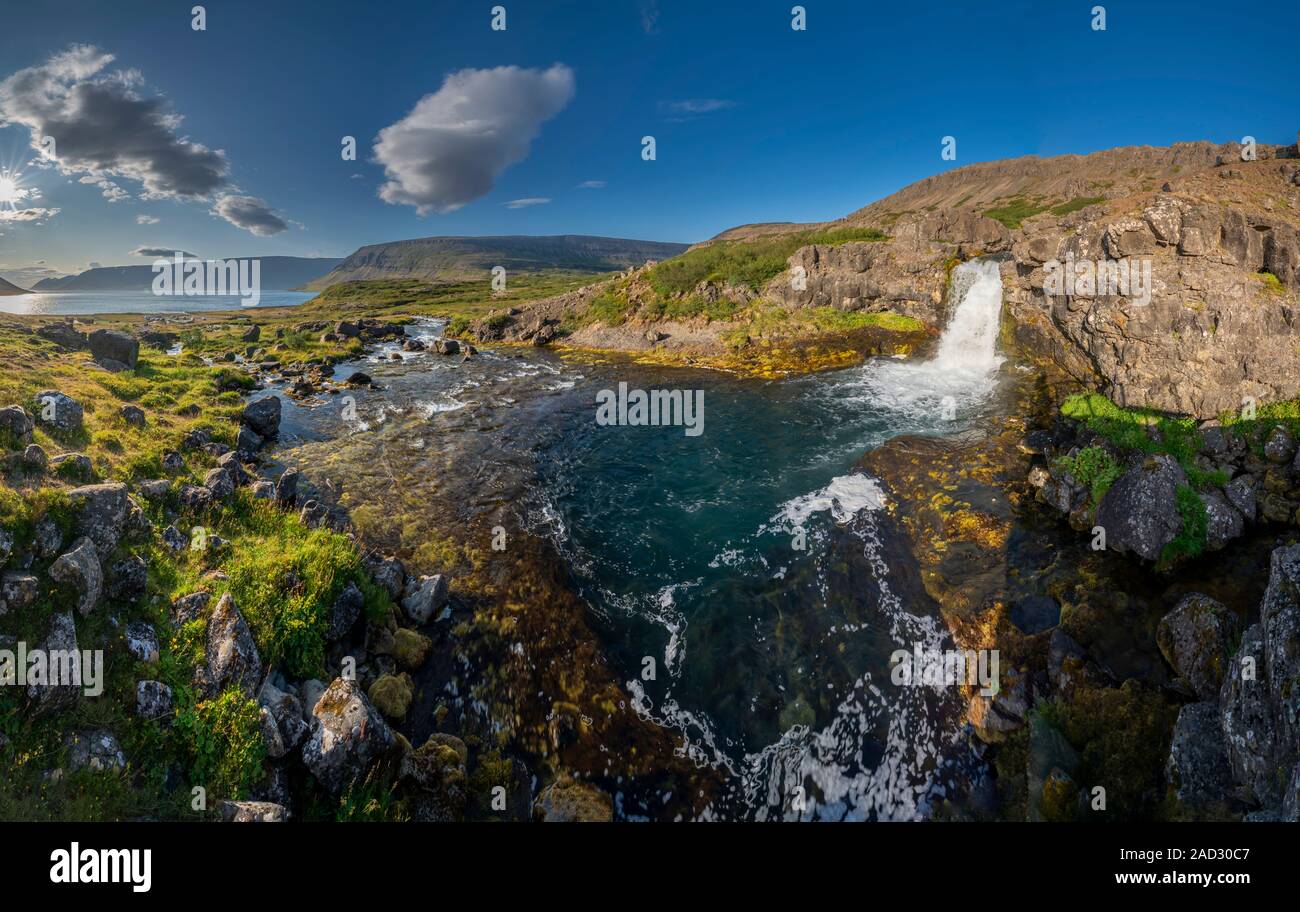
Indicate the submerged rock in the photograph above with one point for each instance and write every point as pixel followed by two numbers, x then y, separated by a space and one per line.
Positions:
pixel 424 597
pixel 570 801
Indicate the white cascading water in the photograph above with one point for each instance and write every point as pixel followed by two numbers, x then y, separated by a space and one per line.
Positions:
pixel 962 369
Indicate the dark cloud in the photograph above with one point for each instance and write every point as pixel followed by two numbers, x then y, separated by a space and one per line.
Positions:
pixel 105 130
pixel 154 253
pixel 251 214
pixel 455 142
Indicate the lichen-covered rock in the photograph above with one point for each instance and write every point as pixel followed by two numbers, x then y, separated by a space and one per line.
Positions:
pixel 1279 615
pixel 282 720
pixel 1249 730
pixel 1280 447
pixel 389 575
pixel 58 410
pixel 1140 511
pixel 231 656
pixel 253 812
pixel 997 715
pixel 95 750
pixel 35 459
pixel 80 569
pixel 18 591
pixel 345 611
pixel 133 416
pixel 1241 494
pixel 1197 768
pixel 101 513
pixel 570 801
pixel 1195 638
pixel 61 639
pixel 348 735
pixel 128 579
pixel 142 641
pixel 1223 521
pixel 424 597
pixel 153 700
pixel 219 482
pixel 392 694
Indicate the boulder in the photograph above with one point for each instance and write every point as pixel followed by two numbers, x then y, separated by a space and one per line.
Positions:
pixel 17 424
pixel 142 641
pixel 410 648
pixel 996 716
pixel 133 415
pixel 263 416
pixel 286 489
pixel 101 513
pixel 248 442
pixel 252 811
pixel 18 591
pixel 111 345
pixel 34 458
pixel 128 579
pixel 389 575
pixel 1197 768
pixel 283 725
pixel 1240 492
pixel 73 467
pixel 231 656
pixel 153 700
pixel 348 735
pixel 1280 447
pixel 1246 717
pixel 1223 521
pixel 63 335
pixel 1140 511
pixel 189 607
pixel 6 545
pixel 1195 638
pixel 392 695
pixel 1279 616
pixel 570 801
pixel 345 611
pixel 62 640
pixel 58 410
pixel 95 750
pixel 434 774
pixel 425 597
pixel 219 482
pixel 79 568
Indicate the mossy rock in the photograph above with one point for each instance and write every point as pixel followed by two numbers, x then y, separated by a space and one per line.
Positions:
pixel 410 648
pixel 392 695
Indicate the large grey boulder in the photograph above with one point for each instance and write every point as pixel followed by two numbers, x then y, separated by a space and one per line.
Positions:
pixel 1195 638
pixel 1246 716
pixel 79 568
pixel 263 416
pixel 101 514
pixel 231 656
pixel 1241 494
pixel 58 410
pixel 1140 511
pixel 1197 768
pixel 348 735
pixel 1223 522
pixel 111 345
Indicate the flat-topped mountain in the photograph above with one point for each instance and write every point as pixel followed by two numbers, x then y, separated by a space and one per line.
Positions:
pixel 278 273
pixel 453 258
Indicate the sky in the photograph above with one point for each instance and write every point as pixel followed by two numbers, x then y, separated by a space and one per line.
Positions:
pixel 227 141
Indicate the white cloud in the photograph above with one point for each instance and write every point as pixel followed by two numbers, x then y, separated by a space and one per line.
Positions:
pixel 456 141
pixel 591 185
pixel 688 108
pixel 147 220
pixel 527 201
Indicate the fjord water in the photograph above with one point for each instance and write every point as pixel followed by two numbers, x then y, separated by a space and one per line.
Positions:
pixel 770 661
pixel 106 302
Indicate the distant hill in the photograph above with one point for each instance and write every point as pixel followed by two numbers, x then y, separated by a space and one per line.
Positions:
pixel 9 288
pixel 454 258
pixel 278 273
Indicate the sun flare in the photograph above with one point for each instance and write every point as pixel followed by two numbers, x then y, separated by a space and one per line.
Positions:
pixel 9 192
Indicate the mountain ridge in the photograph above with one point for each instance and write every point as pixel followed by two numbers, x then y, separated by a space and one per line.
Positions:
pixel 278 273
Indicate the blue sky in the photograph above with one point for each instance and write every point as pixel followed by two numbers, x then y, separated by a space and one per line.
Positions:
pixel 753 121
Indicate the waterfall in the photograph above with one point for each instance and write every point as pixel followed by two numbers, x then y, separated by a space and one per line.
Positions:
pixel 969 342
